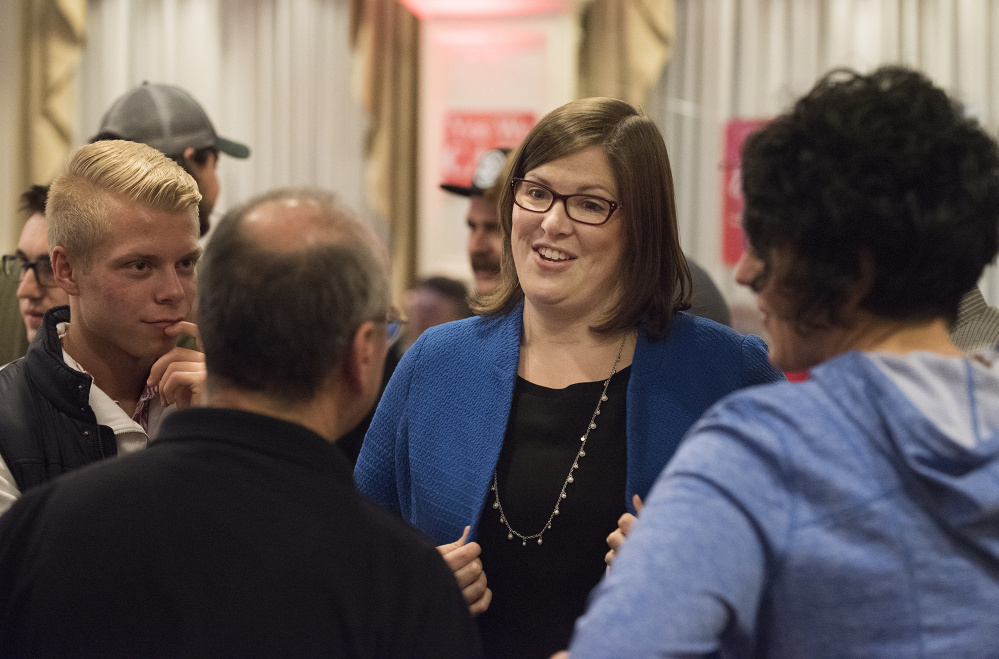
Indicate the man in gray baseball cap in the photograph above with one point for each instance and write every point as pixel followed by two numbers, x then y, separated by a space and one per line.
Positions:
pixel 168 118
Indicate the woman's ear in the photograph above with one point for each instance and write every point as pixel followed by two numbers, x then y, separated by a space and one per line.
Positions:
pixel 64 272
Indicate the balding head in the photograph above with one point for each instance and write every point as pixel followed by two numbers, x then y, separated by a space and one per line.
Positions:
pixel 287 280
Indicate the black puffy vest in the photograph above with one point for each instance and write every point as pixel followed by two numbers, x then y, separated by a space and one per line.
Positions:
pixel 46 425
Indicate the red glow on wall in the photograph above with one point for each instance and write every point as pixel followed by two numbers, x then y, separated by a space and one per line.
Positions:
pixel 467 135
pixel 424 9
pixel 732 237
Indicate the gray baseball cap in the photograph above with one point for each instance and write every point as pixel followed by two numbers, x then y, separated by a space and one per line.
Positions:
pixel 166 118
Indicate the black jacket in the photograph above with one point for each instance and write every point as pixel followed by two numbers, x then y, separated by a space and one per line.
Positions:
pixel 46 425
pixel 232 535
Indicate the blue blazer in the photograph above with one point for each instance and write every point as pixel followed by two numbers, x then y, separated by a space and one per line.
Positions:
pixel 436 435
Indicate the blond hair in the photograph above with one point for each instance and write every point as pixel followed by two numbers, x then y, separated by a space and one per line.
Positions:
pixel 100 176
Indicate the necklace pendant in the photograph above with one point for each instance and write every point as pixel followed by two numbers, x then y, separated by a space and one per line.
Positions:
pixel 524 544
pixel 539 541
pixel 502 519
pixel 495 505
pixel 556 512
pixel 569 479
pixel 582 453
pixel 593 426
pixel 562 495
pixel 603 398
pixel 509 536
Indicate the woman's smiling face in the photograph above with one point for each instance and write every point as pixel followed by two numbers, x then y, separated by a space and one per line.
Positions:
pixel 566 266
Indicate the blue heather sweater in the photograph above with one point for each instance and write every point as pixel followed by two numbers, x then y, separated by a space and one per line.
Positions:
pixel 436 435
pixel 854 515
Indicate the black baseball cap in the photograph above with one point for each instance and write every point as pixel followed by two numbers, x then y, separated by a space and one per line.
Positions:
pixel 166 118
pixel 486 172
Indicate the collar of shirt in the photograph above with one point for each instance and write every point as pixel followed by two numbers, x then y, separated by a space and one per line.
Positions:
pixel 148 409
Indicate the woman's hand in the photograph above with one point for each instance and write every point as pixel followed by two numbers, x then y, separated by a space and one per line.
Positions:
pixel 616 539
pixel 463 559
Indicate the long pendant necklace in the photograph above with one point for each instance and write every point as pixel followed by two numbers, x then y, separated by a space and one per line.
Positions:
pixel 575 465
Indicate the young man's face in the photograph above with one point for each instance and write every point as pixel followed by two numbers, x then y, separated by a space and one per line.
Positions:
pixel 140 281
pixel 36 293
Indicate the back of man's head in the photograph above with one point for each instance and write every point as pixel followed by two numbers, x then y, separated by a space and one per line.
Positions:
pixel 103 174
pixel 286 281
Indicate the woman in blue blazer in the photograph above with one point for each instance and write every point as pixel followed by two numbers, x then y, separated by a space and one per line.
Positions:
pixel 536 422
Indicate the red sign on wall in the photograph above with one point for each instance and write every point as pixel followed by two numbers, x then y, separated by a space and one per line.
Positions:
pixel 467 135
pixel 733 239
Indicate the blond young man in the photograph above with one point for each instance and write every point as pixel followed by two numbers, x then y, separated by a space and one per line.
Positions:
pixel 123 234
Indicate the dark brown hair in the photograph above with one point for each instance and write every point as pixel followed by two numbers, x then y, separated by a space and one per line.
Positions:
pixel 882 167
pixel 656 280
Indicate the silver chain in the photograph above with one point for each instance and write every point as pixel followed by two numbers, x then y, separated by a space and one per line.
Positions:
pixel 575 465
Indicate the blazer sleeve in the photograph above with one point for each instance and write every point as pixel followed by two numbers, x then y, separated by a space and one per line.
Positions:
pixel 381 472
pixel 756 366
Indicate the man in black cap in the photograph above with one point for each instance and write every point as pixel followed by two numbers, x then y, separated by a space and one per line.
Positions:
pixel 168 118
pixel 485 237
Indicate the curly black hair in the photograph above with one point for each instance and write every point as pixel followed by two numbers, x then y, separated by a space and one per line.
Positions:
pixel 883 169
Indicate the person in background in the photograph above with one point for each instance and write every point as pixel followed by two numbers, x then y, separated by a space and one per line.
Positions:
pixel 168 119
pixel 529 428
pixel 433 301
pixel 101 373
pixel 239 531
pixel 855 514
pixel 485 236
pixel 976 326
pixel 31 268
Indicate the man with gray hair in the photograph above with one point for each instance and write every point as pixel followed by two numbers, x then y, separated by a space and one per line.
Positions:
pixel 100 373
pixel 239 530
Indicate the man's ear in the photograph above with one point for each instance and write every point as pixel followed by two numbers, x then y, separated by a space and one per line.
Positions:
pixel 189 154
pixel 363 357
pixel 64 271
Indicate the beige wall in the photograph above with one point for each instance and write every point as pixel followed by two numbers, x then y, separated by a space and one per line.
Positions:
pixel 10 92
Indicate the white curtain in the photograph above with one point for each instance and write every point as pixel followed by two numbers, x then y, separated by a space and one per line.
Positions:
pixel 752 58
pixel 274 74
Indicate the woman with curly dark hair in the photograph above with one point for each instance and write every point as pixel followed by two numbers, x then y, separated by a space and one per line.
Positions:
pixel 856 514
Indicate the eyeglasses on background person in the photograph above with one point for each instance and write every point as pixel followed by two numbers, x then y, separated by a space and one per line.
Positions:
pixel 394 325
pixel 583 208
pixel 16 266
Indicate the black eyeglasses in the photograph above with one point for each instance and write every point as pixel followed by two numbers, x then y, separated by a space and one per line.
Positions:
pixel 583 208
pixel 16 266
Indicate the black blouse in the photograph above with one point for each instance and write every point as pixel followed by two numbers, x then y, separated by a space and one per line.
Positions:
pixel 540 590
